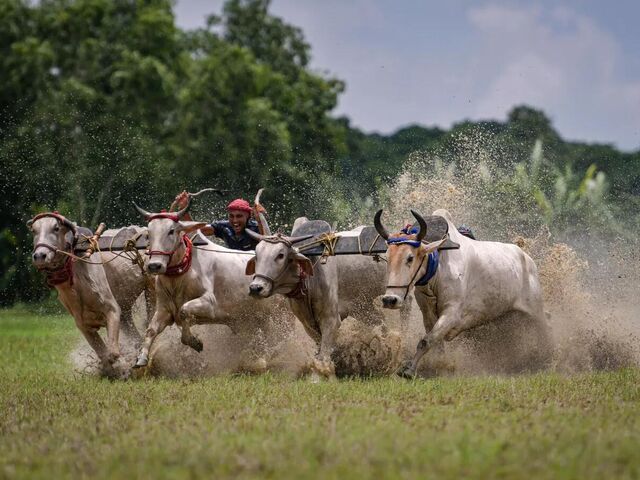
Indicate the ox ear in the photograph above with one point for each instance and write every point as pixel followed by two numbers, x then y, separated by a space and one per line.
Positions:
pixel 305 264
pixel 430 247
pixel 251 266
pixel 188 227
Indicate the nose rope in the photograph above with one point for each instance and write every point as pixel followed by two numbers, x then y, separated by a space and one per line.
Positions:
pixel 185 263
pixel 408 286
pixel 298 291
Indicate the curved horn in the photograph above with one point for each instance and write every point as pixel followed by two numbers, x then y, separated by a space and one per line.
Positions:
pixel 379 227
pixel 142 212
pixel 298 239
pixel 69 224
pixel 258 195
pixel 29 223
pixel 423 225
pixel 180 213
pixel 255 235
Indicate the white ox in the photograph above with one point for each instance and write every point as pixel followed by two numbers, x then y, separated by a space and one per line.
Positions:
pixel 196 285
pixel 320 294
pixel 474 285
pixel 96 295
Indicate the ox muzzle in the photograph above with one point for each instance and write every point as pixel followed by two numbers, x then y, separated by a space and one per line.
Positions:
pixel 392 301
pixel 260 287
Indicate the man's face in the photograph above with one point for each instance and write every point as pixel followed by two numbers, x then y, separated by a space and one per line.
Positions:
pixel 238 220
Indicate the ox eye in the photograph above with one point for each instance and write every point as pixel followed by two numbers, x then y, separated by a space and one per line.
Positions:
pixel 410 259
pixel 172 231
pixel 280 256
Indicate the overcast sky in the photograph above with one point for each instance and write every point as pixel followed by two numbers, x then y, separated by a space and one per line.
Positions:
pixel 439 62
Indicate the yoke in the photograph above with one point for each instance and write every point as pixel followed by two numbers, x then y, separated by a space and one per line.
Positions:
pixel 364 240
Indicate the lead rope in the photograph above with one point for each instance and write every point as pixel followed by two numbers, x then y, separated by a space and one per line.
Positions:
pixel 408 286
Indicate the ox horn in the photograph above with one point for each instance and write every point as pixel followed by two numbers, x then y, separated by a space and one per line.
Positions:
pixel 69 224
pixel 379 227
pixel 180 213
pixel 423 225
pixel 255 235
pixel 142 212
pixel 298 239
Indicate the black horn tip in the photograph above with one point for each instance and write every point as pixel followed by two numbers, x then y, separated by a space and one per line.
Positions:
pixel 423 225
pixel 377 222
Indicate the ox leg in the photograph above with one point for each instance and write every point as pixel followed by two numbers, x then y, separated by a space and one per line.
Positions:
pixel 113 334
pixel 195 311
pixel 445 328
pixel 128 326
pixel 95 342
pixel 161 320
pixel 329 332
pixel 149 300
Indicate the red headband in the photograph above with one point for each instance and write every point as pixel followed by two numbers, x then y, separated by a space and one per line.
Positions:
pixel 239 204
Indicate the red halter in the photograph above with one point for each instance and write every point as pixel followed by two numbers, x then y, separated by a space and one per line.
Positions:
pixel 61 275
pixel 185 264
pixel 300 290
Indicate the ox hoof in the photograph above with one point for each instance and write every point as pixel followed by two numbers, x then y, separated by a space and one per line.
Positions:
pixel 406 372
pixel 142 361
pixel 195 343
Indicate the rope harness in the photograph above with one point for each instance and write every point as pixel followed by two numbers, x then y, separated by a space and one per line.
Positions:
pixel 433 260
pixel 61 275
pixel 301 289
pixel 185 264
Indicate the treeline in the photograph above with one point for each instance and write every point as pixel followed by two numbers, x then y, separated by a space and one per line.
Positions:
pixel 108 101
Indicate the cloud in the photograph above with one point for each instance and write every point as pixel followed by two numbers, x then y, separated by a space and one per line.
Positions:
pixel 561 61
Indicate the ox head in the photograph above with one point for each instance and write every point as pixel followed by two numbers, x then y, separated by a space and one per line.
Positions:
pixel 277 264
pixel 406 259
pixel 51 232
pixel 166 232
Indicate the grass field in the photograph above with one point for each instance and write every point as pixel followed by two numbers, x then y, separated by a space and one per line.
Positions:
pixel 56 423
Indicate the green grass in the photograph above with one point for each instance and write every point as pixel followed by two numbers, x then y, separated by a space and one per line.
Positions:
pixel 56 424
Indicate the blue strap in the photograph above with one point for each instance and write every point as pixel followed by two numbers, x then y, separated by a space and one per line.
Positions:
pixel 432 267
pixel 408 230
pixel 403 240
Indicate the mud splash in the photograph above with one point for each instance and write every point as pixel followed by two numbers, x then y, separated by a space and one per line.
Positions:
pixel 590 290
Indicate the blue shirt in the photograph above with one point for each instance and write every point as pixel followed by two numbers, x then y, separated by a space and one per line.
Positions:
pixel 223 229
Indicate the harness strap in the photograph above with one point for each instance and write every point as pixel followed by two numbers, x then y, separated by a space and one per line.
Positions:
pixel 300 290
pixel 408 286
pixel 163 214
pixel 432 267
pixel 185 264
pixel 61 275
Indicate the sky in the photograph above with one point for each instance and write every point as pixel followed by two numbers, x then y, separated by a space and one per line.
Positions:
pixel 437 63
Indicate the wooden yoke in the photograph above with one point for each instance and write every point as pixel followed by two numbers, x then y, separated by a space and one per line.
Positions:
pixel 93 240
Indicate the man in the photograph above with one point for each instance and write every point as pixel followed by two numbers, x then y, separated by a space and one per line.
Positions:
pixel 232 231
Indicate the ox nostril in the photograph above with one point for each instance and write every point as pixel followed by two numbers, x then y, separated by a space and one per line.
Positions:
pixel 39 256
pixel 254 289
pixel 153 267
pixel 389 301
